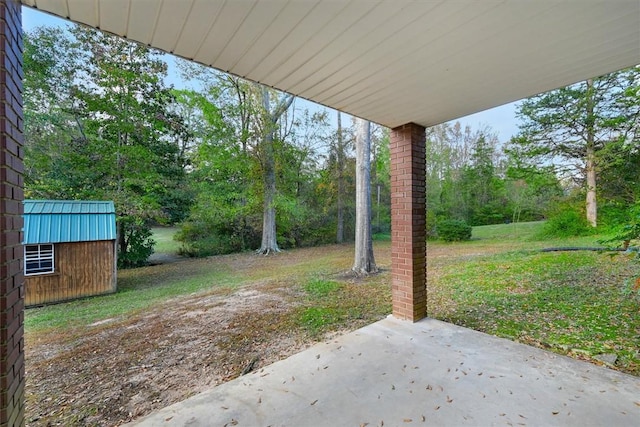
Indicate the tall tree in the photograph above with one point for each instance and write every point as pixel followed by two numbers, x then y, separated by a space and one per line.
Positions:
pixel 220 170
pixel 482 189
pixel 569 128
pixel 381 178
pixel 53 124
pixel 531 191
pixel 274 152
pixel 113 127
pixel 590 154
pixel 128 115
pixel 464 168
pixel 364 262
pixel 270 117
pixel 340 152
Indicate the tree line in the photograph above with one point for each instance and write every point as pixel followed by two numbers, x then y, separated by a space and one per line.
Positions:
pixel 219 157
pixel 239 166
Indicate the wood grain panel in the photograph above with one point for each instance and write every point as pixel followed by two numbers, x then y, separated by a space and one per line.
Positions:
pixel 82 269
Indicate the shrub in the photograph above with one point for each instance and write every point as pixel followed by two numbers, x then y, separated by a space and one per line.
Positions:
pixel 627 230
pixel 453 230
pixel 567 221
pixel 135 243
pixel 201 238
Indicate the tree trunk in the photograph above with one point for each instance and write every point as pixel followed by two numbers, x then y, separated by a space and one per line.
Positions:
pixel 592 206
pixel 269 240
pixel 340 195
pixel 269 236
pixel 364 262
pixel 590 163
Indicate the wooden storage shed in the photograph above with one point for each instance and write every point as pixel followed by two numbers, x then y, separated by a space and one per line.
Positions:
pixel 69 250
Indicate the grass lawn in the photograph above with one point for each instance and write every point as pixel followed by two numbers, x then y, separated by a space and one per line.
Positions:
pixel 577 303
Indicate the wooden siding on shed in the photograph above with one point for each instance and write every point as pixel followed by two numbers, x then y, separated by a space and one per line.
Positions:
pixel 81 269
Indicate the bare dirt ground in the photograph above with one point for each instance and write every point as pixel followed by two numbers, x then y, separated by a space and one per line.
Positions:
pixel 117 370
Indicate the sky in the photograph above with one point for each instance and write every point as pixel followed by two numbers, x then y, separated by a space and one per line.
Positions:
pixel 500 119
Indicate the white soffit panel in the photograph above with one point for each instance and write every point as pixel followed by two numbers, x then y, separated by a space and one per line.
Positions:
pixel 145 15
pixel 85 10
pixel 203 15
pixel 113 15
pixel 390 61
pixel 265 47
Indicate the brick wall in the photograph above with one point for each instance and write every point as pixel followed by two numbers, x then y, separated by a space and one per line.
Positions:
pixel 408 222
pixel 11 196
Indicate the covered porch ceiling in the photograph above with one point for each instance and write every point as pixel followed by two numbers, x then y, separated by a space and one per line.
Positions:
pixel 390 61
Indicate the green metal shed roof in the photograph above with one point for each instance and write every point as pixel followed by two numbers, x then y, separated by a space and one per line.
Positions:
pixel 57 221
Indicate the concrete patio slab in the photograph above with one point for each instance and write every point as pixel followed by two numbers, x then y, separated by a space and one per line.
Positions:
pixel 397 373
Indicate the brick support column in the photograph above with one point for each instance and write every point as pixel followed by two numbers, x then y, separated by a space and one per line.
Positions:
pixel 408 222
pixel 11 196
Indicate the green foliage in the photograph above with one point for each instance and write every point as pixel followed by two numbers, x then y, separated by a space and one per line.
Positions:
pixel 465 176
pixel 567 221
pixel 226 213
pixel 136 243
pixel 532 190
pixel 99 125
pixel 613 214
pixel 380 181
pixel 381 237
pixel 584 127
pixel 619 169
pixel 229 165
pixel 215 235
pixel 483 191
pixel 627 231
pixel 300 224
pixel 454 230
